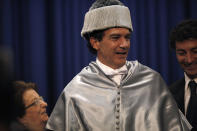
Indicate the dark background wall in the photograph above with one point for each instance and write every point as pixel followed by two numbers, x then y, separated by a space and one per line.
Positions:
pixel 44 36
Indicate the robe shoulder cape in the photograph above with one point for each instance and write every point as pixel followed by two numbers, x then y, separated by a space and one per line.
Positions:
pixel 93 102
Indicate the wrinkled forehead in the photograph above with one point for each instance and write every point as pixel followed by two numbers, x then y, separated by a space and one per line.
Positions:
pixel 30 95
pixel 118 31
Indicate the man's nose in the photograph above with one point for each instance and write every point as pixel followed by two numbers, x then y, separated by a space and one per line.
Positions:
pixel 189 58
pixel 124 43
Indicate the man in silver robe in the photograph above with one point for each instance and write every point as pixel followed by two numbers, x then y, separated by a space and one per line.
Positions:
pixel 113 94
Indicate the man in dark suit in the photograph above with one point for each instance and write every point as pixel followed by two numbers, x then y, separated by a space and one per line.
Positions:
pixel 183 39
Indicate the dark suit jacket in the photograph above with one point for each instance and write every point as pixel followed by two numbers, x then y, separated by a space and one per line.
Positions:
pixel 177 89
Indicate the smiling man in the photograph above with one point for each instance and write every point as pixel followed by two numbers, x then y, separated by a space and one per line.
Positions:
pixel 112 51
pixel 183 39
pixel 111 93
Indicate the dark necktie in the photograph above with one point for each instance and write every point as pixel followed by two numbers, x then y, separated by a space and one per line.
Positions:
pixel 192 107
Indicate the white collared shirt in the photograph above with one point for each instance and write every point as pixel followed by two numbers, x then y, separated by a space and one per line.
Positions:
pixel 187 91
pixel 113 73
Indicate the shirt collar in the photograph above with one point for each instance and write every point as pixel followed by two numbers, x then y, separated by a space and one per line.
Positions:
pixel 109 71
pixel 187 79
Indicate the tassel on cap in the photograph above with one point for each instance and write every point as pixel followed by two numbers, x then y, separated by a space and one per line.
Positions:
pixel 102 3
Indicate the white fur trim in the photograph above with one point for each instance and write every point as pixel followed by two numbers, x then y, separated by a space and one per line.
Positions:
pixel 107 17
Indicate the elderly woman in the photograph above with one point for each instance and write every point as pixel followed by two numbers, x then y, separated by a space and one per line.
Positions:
pixel 29 109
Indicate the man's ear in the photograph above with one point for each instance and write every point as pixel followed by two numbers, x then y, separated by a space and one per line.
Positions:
pixel 94 42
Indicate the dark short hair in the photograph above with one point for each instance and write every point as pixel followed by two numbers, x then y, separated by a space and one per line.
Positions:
pixel 18 89
pixel 186 30
pixel 98 35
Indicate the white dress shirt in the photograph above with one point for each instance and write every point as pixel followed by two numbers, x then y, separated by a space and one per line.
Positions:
pixel 187 91
pixel 115 74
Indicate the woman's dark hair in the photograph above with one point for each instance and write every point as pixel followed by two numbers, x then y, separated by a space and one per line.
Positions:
pixel 186 30
pixel 18 89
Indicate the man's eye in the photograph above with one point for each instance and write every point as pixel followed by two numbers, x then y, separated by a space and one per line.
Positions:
pixel 195 51
pixel 128 37
pixel 180 53
pixel 115 37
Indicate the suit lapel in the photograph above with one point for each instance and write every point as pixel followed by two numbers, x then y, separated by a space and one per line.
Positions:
pixel 177 90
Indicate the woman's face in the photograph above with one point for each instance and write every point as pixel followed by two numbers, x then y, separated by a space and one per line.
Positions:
pixel 35 117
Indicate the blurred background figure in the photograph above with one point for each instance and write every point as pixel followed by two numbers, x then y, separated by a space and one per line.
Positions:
pixel 29 108
pixel 5 79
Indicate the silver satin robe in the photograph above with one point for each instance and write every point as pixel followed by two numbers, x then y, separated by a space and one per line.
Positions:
pixel 93 102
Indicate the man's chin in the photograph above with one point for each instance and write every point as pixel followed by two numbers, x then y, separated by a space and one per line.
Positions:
pixel 121 64
pixel 191 75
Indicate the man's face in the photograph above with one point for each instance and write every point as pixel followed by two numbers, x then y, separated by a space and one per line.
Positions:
pixel 113 49
pixel 186 53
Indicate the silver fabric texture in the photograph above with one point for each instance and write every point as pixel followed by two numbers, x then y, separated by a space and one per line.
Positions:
pixel 93 102
pixel 107 17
